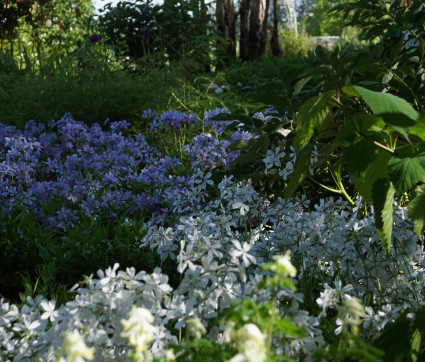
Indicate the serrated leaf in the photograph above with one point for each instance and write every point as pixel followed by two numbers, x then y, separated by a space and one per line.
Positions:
pixel 405 172
pixel 310 113
pixel 392 109
pixel 416 209
pixel 383 193
pixel 377 169
pixel 300 172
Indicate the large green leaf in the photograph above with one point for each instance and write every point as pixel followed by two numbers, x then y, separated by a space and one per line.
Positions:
pixel 419 128
pixel 417 210
pixel 369 124
pixel 406 172
pixel 377 169
pixel 383 193
pixel 300 172
pixel 407 167
pixel 358 156
pixel 393 110
pixel 312 112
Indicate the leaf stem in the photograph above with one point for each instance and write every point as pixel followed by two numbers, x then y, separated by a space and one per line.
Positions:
pixel 331 189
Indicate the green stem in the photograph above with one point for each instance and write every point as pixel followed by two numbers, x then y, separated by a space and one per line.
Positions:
pixel 271 323
pixel 345 194
pixel 324 186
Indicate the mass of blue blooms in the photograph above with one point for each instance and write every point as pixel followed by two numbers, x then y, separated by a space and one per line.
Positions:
pixel 103 171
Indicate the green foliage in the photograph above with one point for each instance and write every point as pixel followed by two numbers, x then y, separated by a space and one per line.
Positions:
pixel 10 13
pixel 51 27
pixel 320 21
pixel 145 33
pixel 294 44
pixel 360 144
pixel 50 263
pixel 402 339
pixel 389 19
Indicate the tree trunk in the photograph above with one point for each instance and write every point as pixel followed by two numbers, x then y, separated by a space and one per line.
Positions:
pixel 274 41
pixel 226 20
pixel 265 27
pixel 244 28
pixel 256 30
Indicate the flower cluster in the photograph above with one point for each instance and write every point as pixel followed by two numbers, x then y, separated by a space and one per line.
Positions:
pixel 95 38
pixel 217 244
pixel 171 119
pixel 218 247
pixel 91 171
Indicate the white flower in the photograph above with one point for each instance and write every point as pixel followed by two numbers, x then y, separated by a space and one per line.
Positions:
pixel 243 208
pixel 138 328
pixel 284 261
pixel 273 159
pixel 169 355
pixel 195 327
pixel 242 251
pixel 354 308
pixel 250 342
pixel 49 310
pixel 74 348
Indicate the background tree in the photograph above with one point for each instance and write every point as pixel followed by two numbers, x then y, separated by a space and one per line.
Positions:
pixel 43 27
pixel 320 22
pixel 10 13
pixel 274 41
pixel 226 24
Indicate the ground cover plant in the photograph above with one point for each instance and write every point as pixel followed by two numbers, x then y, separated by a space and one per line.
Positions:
pixel 286 226
pixel 228 243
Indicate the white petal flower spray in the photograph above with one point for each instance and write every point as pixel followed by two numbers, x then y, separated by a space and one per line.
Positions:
pixel 74 349
pixel 139 330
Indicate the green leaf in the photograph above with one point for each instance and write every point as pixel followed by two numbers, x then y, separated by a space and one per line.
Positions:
pixel 289 328
pixel 377 169
pixel 394 340
pixel 264 142
pixel 298 87
pixel 393 110
pixel 246 157
pixel 367 123
pixel 416 344
pixel 312 112
pixel 323 54
pixel 300 172
pixel 383 199
pixel 416 209
pixel 358 156
pixel 406 172
pixel 419 128
pixel 238 145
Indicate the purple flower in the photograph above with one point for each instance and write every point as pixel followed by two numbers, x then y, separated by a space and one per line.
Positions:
pixel 95 38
